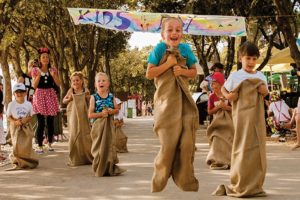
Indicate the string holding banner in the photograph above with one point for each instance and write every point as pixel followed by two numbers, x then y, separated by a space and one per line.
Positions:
pixel 209 25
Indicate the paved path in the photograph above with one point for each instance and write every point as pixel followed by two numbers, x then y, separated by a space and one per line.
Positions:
pixel 54 180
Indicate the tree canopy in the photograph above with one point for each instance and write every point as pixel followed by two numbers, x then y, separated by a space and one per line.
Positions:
pixel 26 25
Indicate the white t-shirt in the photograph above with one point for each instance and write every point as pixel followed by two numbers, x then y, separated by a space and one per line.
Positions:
pixel 119 116
pixel 237 77
pixel 18 111
pixel 280 110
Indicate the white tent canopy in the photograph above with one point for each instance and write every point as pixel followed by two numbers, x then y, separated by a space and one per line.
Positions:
pixel 278 56
pixel 283 67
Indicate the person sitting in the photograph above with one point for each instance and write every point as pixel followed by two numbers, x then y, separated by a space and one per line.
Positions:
pixel 279 115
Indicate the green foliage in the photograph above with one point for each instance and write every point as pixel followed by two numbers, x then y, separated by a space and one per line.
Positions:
pixel 26 25
pixel 128 73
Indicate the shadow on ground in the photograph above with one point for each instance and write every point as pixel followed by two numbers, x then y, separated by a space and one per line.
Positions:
pixel 54 180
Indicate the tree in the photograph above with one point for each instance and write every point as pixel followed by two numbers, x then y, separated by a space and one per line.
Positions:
pixel 7 8
pixel 128 73
pixel 73 48
pixel 288 26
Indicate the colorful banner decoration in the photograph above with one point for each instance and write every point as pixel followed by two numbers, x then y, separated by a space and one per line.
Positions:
pixel 209 25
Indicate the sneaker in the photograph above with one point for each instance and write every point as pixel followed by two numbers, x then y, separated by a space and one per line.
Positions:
pixel 50 149
pixel 39 150
pixel 282 139
pixel 275 135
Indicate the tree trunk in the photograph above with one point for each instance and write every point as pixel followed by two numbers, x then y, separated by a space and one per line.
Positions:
pixel 230 55
pixel 200 55
pixel 284 9
pixel 239 64
pixel 6 76
pixel 285 26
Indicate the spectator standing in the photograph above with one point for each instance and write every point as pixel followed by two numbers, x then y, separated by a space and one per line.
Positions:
pixel 45 101
pixel 26 79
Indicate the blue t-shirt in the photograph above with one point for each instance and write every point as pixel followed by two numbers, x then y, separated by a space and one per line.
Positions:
pixel 160 49
pixel 100 102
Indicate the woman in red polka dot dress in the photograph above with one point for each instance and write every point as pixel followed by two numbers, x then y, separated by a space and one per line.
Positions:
pixel 45 101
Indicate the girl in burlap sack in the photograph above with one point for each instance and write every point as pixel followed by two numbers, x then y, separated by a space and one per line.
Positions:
pixel 121 138
pixel 101 110
pixel 171 63
pixel 19 114
pixel 247 88
pixel 220 131
pixel 80 141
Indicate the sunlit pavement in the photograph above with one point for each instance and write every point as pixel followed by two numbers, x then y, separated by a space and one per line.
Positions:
pixel 54 180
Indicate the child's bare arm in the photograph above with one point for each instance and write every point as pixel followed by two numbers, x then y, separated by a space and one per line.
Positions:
pixel 92 114
pixel 213 110
pixel 263 90
pixel 36 79
pixel 155 71
pixel 16 122
pixel 87 95
pixel 190 73
pixel 115 110
pixel 231 96
pixel 227 107
pixel 25 120
pixel 68 97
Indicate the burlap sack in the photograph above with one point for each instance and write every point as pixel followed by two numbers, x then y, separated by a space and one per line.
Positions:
pixel 121 138
pixel 103 148
pixel 220 136
pixel 175 123
pixel 23 155
pixel 248 160
pixel 80 142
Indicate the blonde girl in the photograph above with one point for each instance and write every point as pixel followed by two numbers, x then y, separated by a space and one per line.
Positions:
pixel 80 141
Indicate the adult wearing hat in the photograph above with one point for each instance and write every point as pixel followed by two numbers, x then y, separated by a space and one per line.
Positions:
pixel 45 101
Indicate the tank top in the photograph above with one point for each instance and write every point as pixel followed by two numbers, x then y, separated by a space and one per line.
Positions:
pixel 101 103
pixel 46 81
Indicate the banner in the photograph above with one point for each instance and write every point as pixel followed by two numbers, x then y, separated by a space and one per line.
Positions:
pixel 209 25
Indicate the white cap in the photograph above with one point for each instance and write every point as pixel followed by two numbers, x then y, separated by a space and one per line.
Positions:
pixel 118 101
pixel 19 86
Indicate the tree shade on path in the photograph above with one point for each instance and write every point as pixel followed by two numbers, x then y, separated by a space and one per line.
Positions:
pixel 54 180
